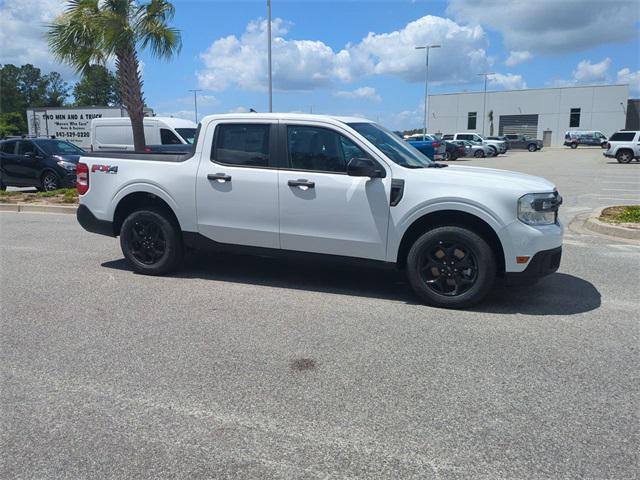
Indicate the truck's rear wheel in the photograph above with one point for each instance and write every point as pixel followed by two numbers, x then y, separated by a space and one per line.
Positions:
pixel 451 267
pixel 624 156
pixel 151 241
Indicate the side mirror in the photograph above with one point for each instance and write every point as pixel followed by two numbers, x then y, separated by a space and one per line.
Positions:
pixel 365 167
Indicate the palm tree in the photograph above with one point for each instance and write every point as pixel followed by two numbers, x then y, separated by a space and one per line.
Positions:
pixel 94 31
pixel 490 115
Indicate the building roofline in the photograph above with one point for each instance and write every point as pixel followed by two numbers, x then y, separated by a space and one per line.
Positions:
pixel 529 89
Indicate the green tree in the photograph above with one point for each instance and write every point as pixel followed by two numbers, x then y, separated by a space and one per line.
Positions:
pixel 97 87
pixel 12 123
pixel 56 90
pixel 92 31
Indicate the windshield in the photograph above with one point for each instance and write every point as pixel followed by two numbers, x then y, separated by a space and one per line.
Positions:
pixel 396 149
pixel 188 134
pixel 60 147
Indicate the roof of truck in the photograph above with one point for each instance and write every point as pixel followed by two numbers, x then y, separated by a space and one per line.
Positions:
pixel 287 116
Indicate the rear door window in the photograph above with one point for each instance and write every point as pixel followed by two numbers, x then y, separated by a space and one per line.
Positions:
pixel 242 144
pixel 8 147
pixel 622 137
pixel 25 147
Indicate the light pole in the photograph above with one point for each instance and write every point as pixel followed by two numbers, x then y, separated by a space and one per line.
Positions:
pixel 269 55
pixel 426 86
pixel 195 101
pixel 484 100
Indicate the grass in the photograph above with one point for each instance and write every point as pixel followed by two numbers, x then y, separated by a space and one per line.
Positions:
pixel 621 214
pixel 61 195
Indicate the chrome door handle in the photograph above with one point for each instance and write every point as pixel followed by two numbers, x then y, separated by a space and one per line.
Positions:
pixel 301 183
pixel 221 177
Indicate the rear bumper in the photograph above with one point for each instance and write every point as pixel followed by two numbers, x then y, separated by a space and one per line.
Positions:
pixel 542 264
pixel 90 223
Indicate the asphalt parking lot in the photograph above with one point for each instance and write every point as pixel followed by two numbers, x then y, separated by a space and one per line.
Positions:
pixel 249 367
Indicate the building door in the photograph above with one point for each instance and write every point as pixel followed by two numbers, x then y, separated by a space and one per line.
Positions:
pixel 526 125
pixel 546 138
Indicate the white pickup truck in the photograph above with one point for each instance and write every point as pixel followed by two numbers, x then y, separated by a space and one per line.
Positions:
pixel 309 184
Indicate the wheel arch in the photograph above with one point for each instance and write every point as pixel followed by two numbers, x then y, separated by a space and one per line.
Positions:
pixel 137 200
pixel 455 218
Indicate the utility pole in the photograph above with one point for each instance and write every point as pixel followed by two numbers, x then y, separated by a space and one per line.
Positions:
pixel 426 85
pixel 195 101
pixel 484 100
pixel 269 55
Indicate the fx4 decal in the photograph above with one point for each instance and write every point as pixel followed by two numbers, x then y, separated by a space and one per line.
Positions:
pixel 104 168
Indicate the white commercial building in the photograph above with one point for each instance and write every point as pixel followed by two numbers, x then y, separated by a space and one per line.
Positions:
pixel 544 113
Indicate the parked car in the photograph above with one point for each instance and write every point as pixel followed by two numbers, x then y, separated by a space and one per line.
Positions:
pixel 522 142
pixel 434 149
pixel 476 149
pixel 573 138
pixel 453 151
pixel 116 134
pixel 498 146
pixel 44 163
pixel 311 184
pixel 624 146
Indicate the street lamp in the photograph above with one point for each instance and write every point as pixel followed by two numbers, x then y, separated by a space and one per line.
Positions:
pixel 484 100
pixel 195 102
pixel 426 85
pixel 269 55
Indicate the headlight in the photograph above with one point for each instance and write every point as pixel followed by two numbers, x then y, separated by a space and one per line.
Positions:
pixel 539 208
pixel 66 165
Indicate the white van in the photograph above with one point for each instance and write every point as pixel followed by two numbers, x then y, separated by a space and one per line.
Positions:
pixel 116 133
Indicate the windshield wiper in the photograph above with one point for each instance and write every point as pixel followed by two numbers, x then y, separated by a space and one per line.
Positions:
pixel 437 165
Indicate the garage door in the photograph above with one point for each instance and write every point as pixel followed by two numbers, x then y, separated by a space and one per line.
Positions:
pixel 526 125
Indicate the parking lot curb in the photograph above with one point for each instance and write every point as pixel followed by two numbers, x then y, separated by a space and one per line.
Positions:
pixel 24 207
pixel 593 224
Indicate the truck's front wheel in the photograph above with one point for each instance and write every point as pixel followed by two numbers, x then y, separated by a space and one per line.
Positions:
pixel 151 241
pixel 451 267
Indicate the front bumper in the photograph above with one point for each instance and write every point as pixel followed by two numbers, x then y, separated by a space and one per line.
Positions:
pixel 609 155
pixel 542 264
pixel 68 180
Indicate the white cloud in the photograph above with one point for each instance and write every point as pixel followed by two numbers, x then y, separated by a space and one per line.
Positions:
pixel 586 73
pixel 507 81
pixel 238 110
pixel 203 100
pixel 552 26
pixel 22 33
pixel 365 93
pixel 185 114
pixel 518 56
pixel 311 64
pixel 632 78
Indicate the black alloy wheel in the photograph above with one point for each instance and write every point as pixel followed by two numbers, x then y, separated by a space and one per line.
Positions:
pixel 49 182
pixel 532 147
pixel 151 241
pixel 448 268
pixel 451 267
pixel 147 241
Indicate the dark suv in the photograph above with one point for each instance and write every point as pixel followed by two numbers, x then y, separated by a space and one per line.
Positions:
pixel 44 163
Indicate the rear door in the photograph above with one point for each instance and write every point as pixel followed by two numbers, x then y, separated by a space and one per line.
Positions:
pixel 8 161
pixel 322 209
pixel 237 184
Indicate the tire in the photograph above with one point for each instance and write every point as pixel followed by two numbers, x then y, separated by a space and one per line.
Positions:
pixel 442 284
pixel 624 156
pixel 532 147
pixel 574 145
pixel 151 241
pixel 447 156
pixel 478 154
pixel 49 181
pixel 495 151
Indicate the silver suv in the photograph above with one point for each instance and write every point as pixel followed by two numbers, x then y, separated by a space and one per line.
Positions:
pixel 624 146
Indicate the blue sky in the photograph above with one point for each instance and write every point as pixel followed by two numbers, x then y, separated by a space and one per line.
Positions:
pixel 356 57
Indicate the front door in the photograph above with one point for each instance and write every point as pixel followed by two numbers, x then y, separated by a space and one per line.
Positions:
pixel 237 185
pixel 322 209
